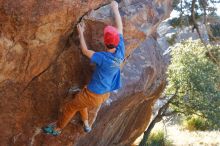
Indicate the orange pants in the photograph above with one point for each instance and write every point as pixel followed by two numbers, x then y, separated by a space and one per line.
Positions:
pixel 81 102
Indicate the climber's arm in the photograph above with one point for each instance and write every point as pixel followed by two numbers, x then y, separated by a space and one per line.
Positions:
pixel 85 50
pixel 118 20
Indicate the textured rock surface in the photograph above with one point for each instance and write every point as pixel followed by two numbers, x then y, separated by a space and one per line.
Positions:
pixel 40 60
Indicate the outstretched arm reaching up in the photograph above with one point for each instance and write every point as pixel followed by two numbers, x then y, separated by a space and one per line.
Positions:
pixel 118 20
pixel 85 50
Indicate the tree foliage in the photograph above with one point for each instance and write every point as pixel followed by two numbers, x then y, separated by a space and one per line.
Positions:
pixel 197 79
pixel 158 138
pixel 215 28
pixel 193 11
pixel 194 123
pixel 188 8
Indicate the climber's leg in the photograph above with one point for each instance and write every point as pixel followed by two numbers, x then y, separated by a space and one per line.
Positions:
pixel 95 113
pixel 93 100
pixel 66 114
pixel 84 116
pixel 69 110
pixel 82 100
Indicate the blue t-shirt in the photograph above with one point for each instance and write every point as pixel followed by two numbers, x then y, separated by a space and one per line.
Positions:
pixel 106 76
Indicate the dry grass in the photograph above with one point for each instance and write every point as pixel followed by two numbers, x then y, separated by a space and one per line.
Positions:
pixel 181 137
pixel 189 138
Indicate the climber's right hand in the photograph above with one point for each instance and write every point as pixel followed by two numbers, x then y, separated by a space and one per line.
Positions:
pixel 114 4
pixel 118 20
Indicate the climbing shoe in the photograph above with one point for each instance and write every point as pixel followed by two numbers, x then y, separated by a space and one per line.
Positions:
pixel 50 130
pixel 87 129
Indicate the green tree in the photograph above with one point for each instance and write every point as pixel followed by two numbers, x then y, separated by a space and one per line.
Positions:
pixel 197 90
pixel 191 12
pixel 193 84
pixel 197 79
pixel 158 138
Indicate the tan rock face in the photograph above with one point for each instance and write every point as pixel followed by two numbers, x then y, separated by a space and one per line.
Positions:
pixel 40 60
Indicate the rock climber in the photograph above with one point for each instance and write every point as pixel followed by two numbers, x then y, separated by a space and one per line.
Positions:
pixel 105 79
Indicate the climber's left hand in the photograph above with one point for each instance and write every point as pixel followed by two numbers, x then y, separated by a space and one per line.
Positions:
pixel 81 27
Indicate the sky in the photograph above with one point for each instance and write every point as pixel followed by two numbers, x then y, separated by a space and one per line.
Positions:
pixel 175 13
pixel 218 8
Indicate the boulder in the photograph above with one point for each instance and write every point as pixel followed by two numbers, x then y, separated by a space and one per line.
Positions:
pixel 41 60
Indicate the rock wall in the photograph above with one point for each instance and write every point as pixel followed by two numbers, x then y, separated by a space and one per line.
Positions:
pixel 40 60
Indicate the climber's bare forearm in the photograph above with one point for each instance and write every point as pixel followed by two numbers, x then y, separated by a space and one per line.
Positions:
pixel 118 19
pixel 85 50
pixel 84 47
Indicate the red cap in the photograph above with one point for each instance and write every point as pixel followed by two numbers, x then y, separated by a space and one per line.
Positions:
pixel 111 36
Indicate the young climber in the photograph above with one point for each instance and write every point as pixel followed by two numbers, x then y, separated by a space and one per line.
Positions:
pixel 105 79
